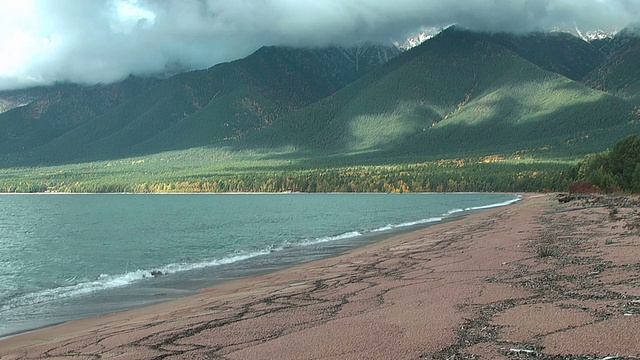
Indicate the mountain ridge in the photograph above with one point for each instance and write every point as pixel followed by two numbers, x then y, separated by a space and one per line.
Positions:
pixel 315 73
pixel 448 111
pixel 512 90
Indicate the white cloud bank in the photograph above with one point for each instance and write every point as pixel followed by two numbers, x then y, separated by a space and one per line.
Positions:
pixel 91 41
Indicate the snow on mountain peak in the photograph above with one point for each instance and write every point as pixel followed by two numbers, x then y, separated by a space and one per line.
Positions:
pixel 593 34
pixel 422 35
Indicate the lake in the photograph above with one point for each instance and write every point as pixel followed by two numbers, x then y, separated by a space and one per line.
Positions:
pixel 65 257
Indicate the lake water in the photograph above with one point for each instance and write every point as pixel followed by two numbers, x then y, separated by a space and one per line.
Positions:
pixel 65 257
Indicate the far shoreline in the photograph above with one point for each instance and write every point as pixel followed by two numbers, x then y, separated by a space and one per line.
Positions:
pixel 260 193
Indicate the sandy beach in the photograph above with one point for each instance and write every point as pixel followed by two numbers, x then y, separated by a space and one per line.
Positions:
pixel 538 279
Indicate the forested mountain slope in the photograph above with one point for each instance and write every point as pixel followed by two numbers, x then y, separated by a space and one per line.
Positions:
pixel 558 52
pixel 459 92
pixel 620 74
pixel 221 102
pixel 39 115
pixel 11 99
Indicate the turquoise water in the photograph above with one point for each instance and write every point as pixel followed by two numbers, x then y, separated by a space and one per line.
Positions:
pixel 70 256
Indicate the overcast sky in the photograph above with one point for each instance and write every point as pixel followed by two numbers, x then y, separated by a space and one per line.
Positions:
pixel 91 41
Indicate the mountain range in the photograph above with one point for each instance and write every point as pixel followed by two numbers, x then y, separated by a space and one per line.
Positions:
pixel 459 92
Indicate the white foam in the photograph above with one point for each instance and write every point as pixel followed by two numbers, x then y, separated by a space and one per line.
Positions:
pixel 384 228
pixel 324 239
pixel 420 222
pixel 106 281
pixel 491 206
pixel 447 214
pixel 390 227
pixel 454 211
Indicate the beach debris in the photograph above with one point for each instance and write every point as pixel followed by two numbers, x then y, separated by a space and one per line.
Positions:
pixel 523 351
pixel 565 198
pixel 156 273
pixel 545 250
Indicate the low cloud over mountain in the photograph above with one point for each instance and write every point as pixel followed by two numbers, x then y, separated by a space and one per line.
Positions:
pixel 44 41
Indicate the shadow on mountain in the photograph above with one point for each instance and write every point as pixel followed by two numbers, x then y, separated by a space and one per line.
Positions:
pixel 569 130
pixel 459 93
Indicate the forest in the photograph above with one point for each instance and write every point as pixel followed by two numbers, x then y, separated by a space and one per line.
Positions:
pixel 175 172
pixel 614 170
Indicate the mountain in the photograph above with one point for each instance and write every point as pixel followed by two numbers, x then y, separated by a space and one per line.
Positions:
pixel 457 93
pixel 619 75
pixel 460 92
pixel 278 81
pixel 11 99
pixel 47 113
pixel 227 100
pixel 610 45
pixel 572 54
pixel 558 52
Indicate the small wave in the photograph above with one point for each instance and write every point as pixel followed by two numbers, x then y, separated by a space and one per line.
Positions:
pixel 454 211
pixel 447 214
pixel 420 222
pixel 324 239
pixel 384 228
pixel 106 281
pixel 491 206
pixel 407 224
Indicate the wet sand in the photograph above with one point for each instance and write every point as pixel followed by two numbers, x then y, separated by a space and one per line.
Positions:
pixel 537 279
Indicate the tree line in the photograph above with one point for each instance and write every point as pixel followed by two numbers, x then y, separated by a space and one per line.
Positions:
pixel 488 174
pixel 614 170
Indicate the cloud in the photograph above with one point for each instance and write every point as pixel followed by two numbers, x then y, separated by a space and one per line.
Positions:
pixel 43 41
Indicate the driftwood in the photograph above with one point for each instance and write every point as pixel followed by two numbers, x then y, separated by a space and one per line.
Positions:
pixel 565 198
pixel 523 351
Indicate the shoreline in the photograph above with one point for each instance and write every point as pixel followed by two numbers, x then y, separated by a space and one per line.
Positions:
pixel 198 277
pixel 249 193
pixel 365 240
pixel 474 286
